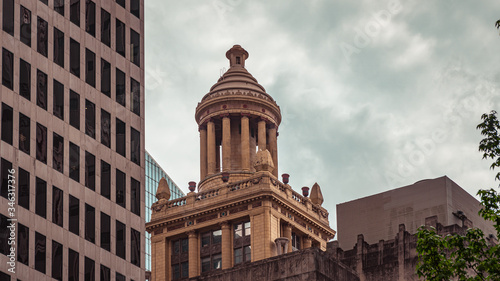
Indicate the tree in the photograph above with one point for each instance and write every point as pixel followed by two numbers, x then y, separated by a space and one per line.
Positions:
pixel 470 256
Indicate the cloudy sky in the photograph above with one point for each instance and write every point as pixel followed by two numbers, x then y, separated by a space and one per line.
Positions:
pixel 374 94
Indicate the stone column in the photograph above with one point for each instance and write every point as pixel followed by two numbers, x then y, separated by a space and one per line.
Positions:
pixel 226 245
pixel 262 134
pixel 203 151
pixel 160 262
pixel 307 242
pixel 245 143
pixel 287 232
pixel 226 143
pixel 194 254
pixel 211 160
pixel 273 147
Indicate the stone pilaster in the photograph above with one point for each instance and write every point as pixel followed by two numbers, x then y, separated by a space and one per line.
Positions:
pixel 245 143
pixel 194 254
pixel 287 232
pixel 203 151
pixel 211 159
pixel 273 147
pixel 262 134
pixel 227 261
pixel 226 143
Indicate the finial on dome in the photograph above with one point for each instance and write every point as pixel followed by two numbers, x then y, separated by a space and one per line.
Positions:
pixel 237 56
pixel 163 192
pixel 316 196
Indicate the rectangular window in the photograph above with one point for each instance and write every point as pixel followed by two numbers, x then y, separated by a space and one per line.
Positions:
pixel 23 250
pixel 24 189
pixel 40 252
pixel 74 215
pixel 58 153
pixel 59 6
pixel 90 67
pixel 59 47
pixel 135 6
pixel 105 232
pixel 24 133
pixel 57 206
pixel 90 17
pixel 89 223
pixel 135 47
pixel 135 96
pixel 105 180
pixel 89 269
pixel 25 30
pixel 73 265
pixel 90 118
pixel 41 143
pixel 135 196
pixel 58 103
pixel 105 273
pixel 4 187
pixel 74 109
pixel 74 57
pixel 120 188
pixel 24 79
pixel 105 28
pixel 4 235
pixel 74 162
pixel 8 16
pixel 120 87
pixel 7 123
pixel 41 89
pixel 41 198
pixel 57 260
pixel 7 69
pixel 105 128
pixel 135 146
pixel 120 37
pixel 105 78
pixel 46 2
pixel 120 137
pixel 89 170
pixel 120 277
pixel 120 240
pixel 135 251
pixel 121 3
pixel 74 12
pixel 42 35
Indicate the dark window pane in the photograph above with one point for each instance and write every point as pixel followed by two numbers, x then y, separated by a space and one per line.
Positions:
pixel 105 273
pixel 120 137
pixel 120 87
pixel 57 260
pixel 25 30
pixel 105 180
pixel 46 2
pixel 105 28
pixel 74 215
pixel 42 35
pixel 105 232
pixel 74 11
pixel 105 128
pixel 135 96
pixel 24 189
pixel 74 161
pixel 5 276
pixel 89 269
pixel 58 103
pixel 4 235
pixel 105 78
pixel 8 16
pixel 41 143
pixel 90 17
pixel 7 123
pixel 120 188
pixel 90 118
pixel 24 79
pixel 41 198
pixel 121 3
pixel 89 170
pixel 135 48
pixel 135 8
pixel 120 277
pixel 135 251
pixel 135 196
pixel 73 266
pixel 74 57
pixel 5 167
pixel 59 47
pixel 89 223
pixel 57 206
pixel 184 269
pixel 23 249
pixel 7 69
pixel 120 240
pixel 58 153
pixel 40 252
pixel 74 109
pixel 120 37
pixel 135 146
pixel 90 67
pixel 59 6
pixel 41 89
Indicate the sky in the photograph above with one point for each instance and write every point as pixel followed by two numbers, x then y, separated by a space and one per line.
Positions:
pixel 374 95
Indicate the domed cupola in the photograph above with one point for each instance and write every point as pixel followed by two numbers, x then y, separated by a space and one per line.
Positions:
pixel 236 117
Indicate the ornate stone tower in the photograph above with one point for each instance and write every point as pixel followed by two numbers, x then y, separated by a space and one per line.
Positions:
pixel 241 212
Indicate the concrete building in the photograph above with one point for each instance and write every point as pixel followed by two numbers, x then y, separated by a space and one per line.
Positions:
pixel 242 212
pixel 72 133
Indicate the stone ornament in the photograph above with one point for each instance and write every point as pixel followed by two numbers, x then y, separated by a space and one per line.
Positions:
pixel 264 161
pixel 316 195
pixel 163 191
